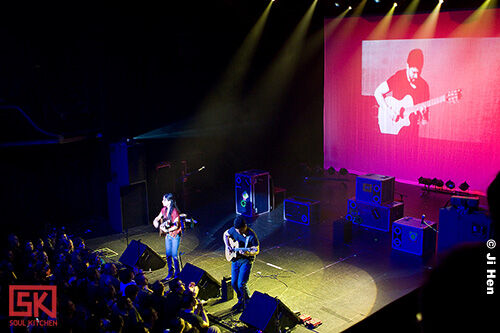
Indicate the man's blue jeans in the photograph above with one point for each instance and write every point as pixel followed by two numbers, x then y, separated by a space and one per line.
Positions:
pixel 240 273
pixel 172 252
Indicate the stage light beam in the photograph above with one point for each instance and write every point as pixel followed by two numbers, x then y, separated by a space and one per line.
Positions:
pixel 269 90
pixel 403 22
pixel 428 28
pixel 481 21
pixel 380 31
pixel 347 29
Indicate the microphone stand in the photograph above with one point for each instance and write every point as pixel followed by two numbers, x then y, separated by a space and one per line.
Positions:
pixel 427 224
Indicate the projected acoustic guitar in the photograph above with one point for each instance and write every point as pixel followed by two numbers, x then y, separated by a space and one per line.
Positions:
pixel 391 120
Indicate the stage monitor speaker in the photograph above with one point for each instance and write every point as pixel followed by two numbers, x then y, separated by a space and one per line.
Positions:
pixel 140 255
pixel 268 314
pixel 209 287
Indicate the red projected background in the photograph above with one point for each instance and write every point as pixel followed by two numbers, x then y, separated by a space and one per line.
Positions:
pixel 443 121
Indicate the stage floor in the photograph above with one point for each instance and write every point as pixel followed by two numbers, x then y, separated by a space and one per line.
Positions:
pixel 339 284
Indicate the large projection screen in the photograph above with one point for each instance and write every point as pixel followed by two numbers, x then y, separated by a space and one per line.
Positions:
pixel 443 121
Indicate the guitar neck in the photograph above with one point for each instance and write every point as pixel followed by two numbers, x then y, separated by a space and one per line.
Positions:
pixel 428 103
pixel 242 249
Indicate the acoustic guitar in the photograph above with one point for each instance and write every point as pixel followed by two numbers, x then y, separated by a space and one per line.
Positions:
pixel 391 120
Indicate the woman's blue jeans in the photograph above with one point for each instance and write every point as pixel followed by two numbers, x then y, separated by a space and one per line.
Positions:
pixel 172 252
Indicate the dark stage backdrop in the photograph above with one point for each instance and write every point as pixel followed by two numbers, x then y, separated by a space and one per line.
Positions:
pixel 460 141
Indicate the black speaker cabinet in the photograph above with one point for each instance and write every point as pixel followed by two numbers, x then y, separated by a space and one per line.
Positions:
pixel 227 289
pixel 342 232
pixel 209 287
pixel 127 162
pixel 268 314
pixel 127 205
pixel 140 255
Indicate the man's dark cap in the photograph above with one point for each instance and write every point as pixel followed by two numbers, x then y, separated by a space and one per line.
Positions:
pixel 239 221
pixel 416 58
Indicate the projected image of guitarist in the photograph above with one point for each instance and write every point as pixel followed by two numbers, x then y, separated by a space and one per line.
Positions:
pixel 407 108
pixel 242 245
pixel 405 85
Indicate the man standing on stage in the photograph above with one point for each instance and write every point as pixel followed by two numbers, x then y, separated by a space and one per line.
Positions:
pixel 241 264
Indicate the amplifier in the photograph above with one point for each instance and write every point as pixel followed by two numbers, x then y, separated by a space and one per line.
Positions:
pixel 373 215
pixel 410 235
pixel 252 192
pixel 374 188
pixel 463 201
pixel 301 210
pixel 227 291
pixel 458 225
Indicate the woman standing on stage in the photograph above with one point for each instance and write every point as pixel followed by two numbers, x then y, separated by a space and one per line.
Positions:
pixel 169 223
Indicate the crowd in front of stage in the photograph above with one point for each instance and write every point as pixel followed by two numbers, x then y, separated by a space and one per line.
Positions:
pixel 94 296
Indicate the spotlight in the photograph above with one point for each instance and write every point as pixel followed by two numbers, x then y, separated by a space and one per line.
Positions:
pixel 349 8
pixel 331 171
pixel 441 1
pixel 464 186
pixel 449 184
pixel 337 4
pixel 319 171
pixel 437 182
pixel 395 4
pixel 425 181
pixel 343 171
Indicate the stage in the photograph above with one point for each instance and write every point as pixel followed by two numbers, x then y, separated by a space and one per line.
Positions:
pixel 307 267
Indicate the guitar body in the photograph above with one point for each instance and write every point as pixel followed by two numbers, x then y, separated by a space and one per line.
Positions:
pixel 392 119
pixel 390 124
pixel 230 255
pixel 165 227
